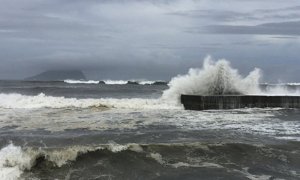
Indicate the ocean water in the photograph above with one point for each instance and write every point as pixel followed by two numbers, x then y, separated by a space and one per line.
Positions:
pixel 89 130
pixel 60 130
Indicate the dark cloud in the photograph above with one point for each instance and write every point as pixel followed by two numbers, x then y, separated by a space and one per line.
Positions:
pixel 282 28
pixel 285 37
pixel 221 15
pixel 143 38
pixel 278 10
pixel 216 15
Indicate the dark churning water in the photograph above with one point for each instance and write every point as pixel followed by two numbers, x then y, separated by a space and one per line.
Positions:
pixel 58 130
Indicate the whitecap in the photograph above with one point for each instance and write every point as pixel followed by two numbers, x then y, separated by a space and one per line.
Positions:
pixel 70 81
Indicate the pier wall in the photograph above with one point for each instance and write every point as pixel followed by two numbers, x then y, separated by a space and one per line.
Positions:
pixel 193 102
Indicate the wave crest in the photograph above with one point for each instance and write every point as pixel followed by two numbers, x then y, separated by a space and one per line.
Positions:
pixel 14 160
pixel 44 101
pixel 238 157
pixel 138 82
pixel 70 81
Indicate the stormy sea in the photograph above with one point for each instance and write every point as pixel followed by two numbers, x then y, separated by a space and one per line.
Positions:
pixel 139 130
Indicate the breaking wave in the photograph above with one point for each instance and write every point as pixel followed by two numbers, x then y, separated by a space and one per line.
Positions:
pixel 139 82
pixel 14 160
pixel 158 82
pixel 219 78
pixel 284 84
pixel 214 78
pixel 147 82
pixel 115 82
pixel 69 81
pixel 226 159
pixel 44 101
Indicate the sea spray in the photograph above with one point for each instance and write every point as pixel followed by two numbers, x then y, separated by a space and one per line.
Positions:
pixel 281 89
pixel 13 161
pixel 214 78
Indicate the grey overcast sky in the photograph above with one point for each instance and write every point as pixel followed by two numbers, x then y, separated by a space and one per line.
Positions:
pixel 148 39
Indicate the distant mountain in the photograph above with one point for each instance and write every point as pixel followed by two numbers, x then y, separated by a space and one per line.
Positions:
pixel 58 75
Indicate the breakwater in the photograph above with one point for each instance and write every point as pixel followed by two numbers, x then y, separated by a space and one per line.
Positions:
pixel 194 102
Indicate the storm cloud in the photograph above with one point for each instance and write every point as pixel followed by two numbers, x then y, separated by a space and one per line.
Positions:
pixel 140 39
pixel 283 28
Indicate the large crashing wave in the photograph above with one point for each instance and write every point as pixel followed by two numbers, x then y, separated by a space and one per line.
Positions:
pixel 214 78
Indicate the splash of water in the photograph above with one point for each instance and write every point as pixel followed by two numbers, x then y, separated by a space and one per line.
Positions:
pixel 214 78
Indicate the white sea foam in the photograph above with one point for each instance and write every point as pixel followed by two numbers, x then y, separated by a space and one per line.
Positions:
pixel 111 82
pixel 158 158
pixel 146 82
pixel 42 101
pixel 140 82
pixel 203 164
pixel 250 176
pixel 70 81
pixel 257 121
pixel 115 82
pixel 280 89
pixel 138 103
pixel 114 147
pixel 293 138
pixel 13 161
pixel 283 84
pixel 293 84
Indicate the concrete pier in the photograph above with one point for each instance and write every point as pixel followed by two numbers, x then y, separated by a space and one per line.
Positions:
pixel 193 102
